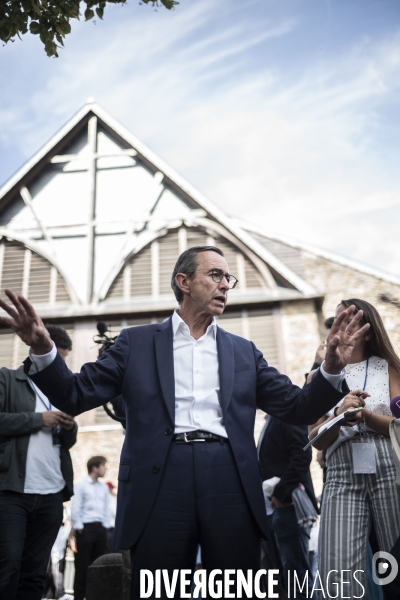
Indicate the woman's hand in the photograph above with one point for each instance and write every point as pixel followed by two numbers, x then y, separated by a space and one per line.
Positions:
pixel 355 399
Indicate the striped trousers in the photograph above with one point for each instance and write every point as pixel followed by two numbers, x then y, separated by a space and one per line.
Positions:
pixel 349 504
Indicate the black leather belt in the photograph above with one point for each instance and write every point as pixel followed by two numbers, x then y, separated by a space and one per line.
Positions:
pixel 198 436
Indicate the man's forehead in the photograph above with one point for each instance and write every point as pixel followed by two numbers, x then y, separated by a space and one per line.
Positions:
pixel 212 260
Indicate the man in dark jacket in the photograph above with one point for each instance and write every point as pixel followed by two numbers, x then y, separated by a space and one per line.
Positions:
pixel 281 456
pixel 36 476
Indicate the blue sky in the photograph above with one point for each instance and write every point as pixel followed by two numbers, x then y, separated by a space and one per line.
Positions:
pixel 283 112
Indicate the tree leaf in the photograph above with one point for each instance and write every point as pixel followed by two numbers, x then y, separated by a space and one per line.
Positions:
pixel 65 27
pixel 100 12
pixel 44 35
pixel 5 31
pixel 34 27
pixel 59 39
pixel 51 48
pixel 89 14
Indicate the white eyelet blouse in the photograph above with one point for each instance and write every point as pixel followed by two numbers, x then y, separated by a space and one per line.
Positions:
pixel 377 385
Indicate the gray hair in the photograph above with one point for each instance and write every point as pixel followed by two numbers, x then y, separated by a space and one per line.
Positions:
pixel 187 264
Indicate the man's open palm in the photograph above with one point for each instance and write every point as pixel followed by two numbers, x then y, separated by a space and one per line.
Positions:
pixel 342 338
pixel 26 323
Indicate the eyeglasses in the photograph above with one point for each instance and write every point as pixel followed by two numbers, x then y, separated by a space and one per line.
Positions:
pixel 217 275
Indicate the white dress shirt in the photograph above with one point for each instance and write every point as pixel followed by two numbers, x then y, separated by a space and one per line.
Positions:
pixel 196 367
pixel 90 503
pixel 197 404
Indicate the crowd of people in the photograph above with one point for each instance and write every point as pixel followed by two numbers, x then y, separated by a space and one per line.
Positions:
pixel 190 472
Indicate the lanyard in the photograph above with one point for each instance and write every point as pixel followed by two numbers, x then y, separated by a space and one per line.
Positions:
pixel 39 395
pixel 44 403
pixel 366 375
pixel 361 426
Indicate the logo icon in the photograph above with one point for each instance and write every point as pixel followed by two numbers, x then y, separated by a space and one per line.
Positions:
pixel 384 564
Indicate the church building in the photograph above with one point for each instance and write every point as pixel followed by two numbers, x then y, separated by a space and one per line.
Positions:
pixel 91 227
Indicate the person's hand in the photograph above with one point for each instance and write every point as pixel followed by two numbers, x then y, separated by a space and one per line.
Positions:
pixel 66 421
pixel 355 399
pixel 320 354
pixel 278 504
pixel 51 418
pixel 342 339
pixel 26 323
pixel 72 544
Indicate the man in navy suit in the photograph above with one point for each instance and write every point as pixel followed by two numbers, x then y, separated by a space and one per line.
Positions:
pixel 189 472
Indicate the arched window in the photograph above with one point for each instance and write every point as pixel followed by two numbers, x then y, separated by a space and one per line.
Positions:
pixel 26 272
pixel 148 273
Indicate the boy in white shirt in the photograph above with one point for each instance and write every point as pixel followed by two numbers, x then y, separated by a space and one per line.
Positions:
pixel 90 521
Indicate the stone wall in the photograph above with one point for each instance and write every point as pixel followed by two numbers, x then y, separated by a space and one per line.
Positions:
pixel 94 442
pixel 300 338
pixel 338 282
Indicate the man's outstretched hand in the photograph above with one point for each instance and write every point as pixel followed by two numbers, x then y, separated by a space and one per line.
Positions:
pixel 26 323
pixel 342 338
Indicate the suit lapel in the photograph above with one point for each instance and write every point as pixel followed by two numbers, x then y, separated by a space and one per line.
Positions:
pixel 165 365
pixel 226 362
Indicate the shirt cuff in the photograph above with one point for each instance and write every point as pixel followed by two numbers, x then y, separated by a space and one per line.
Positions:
pixel 41 361
pixel 335 380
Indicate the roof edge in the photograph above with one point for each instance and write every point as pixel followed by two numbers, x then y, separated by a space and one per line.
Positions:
pixel 44 150
pixel 322 252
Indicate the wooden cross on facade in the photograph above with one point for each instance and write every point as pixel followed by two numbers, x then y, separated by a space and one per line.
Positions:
pixel 91 158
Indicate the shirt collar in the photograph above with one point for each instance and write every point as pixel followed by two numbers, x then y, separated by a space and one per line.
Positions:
pixel 178 322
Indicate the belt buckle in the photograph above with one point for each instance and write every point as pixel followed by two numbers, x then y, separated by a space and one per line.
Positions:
pixel 190 441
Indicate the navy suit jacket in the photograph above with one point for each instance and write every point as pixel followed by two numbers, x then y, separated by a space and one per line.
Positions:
pixel 140 366
pixel 281 455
